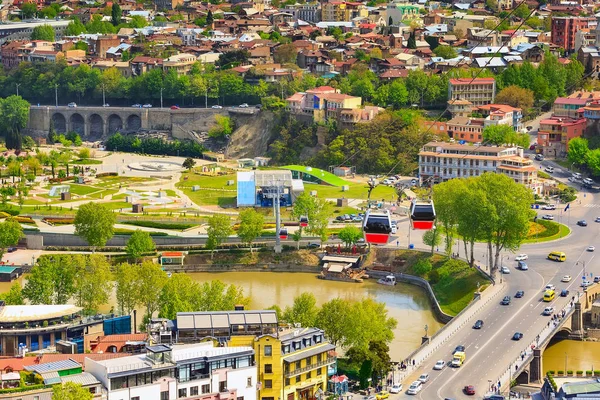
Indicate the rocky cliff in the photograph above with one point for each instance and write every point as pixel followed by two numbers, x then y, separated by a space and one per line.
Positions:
pixel 252 135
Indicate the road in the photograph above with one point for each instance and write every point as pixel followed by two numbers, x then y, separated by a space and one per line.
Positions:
pixel 491 350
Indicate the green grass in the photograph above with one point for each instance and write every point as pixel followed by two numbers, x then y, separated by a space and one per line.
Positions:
pixel 109 181
pixel 83 190
pixel 161 225
pixel 356 191
pixel 325 176
pixel 118 205
pixel 120 196
pixel 87 161
pixel 214 189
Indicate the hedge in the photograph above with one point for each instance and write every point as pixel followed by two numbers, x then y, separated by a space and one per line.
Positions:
pixel 58 221
pixel 161 225
pixel 552 228
pixel 106 174
pixel 579 372
pixel 127 232
pixel 561 372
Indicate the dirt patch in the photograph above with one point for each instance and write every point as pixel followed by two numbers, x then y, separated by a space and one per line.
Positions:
pixel 301 257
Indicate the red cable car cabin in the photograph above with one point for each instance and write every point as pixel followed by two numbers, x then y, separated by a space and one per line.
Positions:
pixel 422 214
pixel 304 221
pixel 283 234
pixel 377 227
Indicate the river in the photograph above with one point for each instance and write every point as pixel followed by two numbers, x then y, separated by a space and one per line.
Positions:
pixel 576 355
pixel 408 304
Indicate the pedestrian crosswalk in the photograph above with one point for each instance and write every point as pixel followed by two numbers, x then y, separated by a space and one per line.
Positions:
pixel 592 205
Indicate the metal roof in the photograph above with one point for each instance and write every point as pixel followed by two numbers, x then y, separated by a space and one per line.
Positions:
pixel 83 379
pixel 311 352
pixel 53 366
pixel 50 378
pixel 224 319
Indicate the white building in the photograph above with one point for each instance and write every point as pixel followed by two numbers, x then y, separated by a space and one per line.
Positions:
pixel 195 371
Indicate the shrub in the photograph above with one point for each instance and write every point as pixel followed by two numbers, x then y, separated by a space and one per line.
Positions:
pixel 161 225
pixel 106 174
pixel 569 372
pixel 560 372
pixel 58 221
pixel 579 372
pixel 422 267
pixel 596 372
pixel 550 373
pixel 588 373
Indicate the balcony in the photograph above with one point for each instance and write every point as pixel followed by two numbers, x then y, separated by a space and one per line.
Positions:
pixel 298 371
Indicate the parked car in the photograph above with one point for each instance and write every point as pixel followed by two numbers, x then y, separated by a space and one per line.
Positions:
pixel 72 105
pixel 439 365
pixel 505 301
pixel 597 219
pixel 478 324
pixel 216 107
pixel 136 105
pixel 549 207
pixel 174 107
pixel 582 222
pixel 12 249
pixel 588 181
pixel 549 170
pixel 519 294
pixel 521 257
pixel 539 157
pixel 313 245
pixel 597 279
pixel 548 311
pixel 548 217
pixel 577 175
pixel 105 105
pixel 517 336
pixel 469 389
pixel 394 229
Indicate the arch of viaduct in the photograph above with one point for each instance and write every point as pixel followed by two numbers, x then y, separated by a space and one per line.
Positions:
pixel 95 123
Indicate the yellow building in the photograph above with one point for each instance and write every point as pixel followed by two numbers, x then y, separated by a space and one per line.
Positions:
pixel 292 364
pixel 342 11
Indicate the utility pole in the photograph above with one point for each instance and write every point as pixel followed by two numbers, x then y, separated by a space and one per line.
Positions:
pixel 56 94
pixel 18 84
pixel 206 97
pixel 275 194
pixel 161 100
pixel 103 96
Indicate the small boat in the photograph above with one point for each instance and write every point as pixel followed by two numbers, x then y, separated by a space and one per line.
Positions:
pixel 169 274
pixel 389 280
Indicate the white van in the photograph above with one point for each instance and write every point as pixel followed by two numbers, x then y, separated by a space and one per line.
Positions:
pixel 577 175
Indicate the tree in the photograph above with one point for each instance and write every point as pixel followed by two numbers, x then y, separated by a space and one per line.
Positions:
pixel 10 234
pixel 432 238
pixel 116 14
pixel 376 53
pixel 39 288
pixel 492 5
pixel 127 287
pixel 139 242
pixel 28 10
pixel 14 297
pixel 43 32
pixel 516 96
pixel 93 283
pixel 222 129
pixel 251 225
pixel 14 113
pixel 412 41
pixel 365 373
pixel 444 51
pixel 303 311
pixel 188 163
pixel 95 223
pixel 209 18
pixel 592 160
pixel 522 11
pixel 84 153
pixel 333 318
pixel 504 135
pixel 151 279
pixel 179 294
pixel 578 150
pixel 75 28
pixel 219 229
pixel 318 212
pixel 285 54
pixel 350 235
pixel 422 267
pixel 368 322
pixel 70 391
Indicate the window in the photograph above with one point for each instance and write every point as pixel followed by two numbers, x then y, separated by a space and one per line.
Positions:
pixel 298 364
pixel 205 389
pixel 268 350
pixel 164 395
pixel 194 391
pixel 268 368
pixel 183 392
pixel 308 375
pixel 249 382
pixel 135 398
pixel 287 380
pixel 222 386
pixel 268 384
pixel 240 398
pixel 318 371
pixel 298 378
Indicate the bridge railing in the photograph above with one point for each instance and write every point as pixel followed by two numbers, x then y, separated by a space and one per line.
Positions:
pixel 518 365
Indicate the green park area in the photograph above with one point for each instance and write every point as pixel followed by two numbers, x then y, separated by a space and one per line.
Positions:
pixel 454 282
pixel 545 231
pixel 323 175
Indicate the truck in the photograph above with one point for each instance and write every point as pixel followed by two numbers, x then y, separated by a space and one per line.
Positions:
pixel 459 359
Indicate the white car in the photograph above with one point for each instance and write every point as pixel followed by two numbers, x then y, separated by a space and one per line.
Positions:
pixel 505 270
pixel 548 217
pixel 548 207
pixel 394 229
pixel 415 387
pixel 72 105
pixel 550 287
pixel 586 283
pixel 216 107
pixel 396 388
pixel 521 257
pixel 548 310
pixel 550 170
pixel 147 105
pixel 591 248
pixel 105 105
pixel 566 278
pixel 439 365
pixel 243 105
pixel 424 378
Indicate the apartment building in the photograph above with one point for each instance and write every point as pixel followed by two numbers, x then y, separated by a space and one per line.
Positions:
pixel 181 63
pixel 342 11
pixel 440 161
pixel 479 91
pixel 322 103
pixel 194 371
pixel 568 107
pixel 555 133
pixel 399 11
pixel 501 114
pixel 466 129
pixel 564 30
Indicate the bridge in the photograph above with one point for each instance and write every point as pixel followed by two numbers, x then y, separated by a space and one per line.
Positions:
pixel 97 123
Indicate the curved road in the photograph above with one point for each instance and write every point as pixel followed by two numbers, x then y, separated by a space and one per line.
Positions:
pixel 491 349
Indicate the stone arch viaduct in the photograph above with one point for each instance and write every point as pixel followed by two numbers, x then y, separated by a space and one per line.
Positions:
pixel 97 123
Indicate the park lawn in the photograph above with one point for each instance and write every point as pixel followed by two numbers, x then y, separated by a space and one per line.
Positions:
pixel 83 190
pixel 171 193
pixel 87 161
pixel 214 190
pixel 116 205
pixel 325 176
pixel 207 181
pixel 357 191
pixel 109 181
pixel 120 196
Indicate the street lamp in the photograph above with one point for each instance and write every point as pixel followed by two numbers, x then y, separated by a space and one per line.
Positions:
pixel 17 84
pixel 103 96
pixel 161 99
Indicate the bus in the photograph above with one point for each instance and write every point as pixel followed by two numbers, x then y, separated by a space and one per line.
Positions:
pixel 557 256
pixel 549 295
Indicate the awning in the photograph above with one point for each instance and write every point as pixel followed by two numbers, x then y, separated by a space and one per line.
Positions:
pixel 308 353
